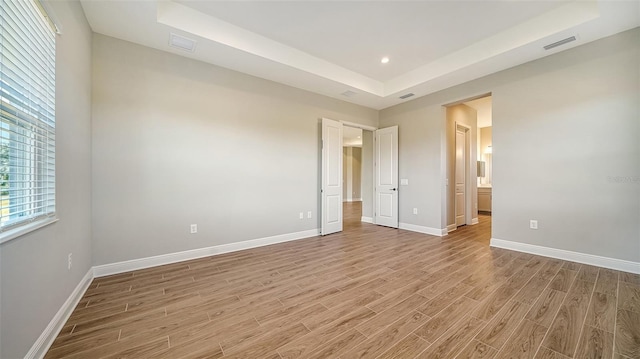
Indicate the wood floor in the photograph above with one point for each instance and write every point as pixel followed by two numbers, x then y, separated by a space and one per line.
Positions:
pixel 370 292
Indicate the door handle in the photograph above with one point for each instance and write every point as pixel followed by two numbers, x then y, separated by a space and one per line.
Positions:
pixel 393 189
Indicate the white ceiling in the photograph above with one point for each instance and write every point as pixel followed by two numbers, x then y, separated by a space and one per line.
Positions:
pixel 334 46
pixel 351 137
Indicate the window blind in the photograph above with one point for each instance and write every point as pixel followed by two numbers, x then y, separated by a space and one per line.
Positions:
pixel 27 114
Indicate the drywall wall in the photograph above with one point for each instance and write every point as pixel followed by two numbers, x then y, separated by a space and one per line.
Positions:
pixel 356 192
pixel 484 147
pixel 467 116
pixel 367 174
pixel 421 160
pixel 34 277
pixel 352 181
pixel 565 148
pixel 179 142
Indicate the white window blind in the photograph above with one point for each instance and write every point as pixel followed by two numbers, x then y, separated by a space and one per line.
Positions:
pixel 27 114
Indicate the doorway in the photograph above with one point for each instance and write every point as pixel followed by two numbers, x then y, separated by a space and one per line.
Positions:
pixel 468 158
pixel 461 188
pixel 353 169
pixel 378 176
pixel 483 107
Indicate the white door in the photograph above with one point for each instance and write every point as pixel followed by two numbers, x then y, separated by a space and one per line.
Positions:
pixel 331 177
pixel 460 177
pixel 386 177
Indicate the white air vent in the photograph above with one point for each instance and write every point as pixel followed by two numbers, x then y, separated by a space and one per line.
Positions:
pixel 406 96
pixel 182 43
pixel 560 43
pixel 349 93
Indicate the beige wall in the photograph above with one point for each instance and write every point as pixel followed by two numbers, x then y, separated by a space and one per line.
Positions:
pixel 464 115
pixel 356 192
pixel 177 141
pixel 34 278
pixel 346 172
pixel 367 174
pixel 486 141
pixel 565 149
pixel 352 168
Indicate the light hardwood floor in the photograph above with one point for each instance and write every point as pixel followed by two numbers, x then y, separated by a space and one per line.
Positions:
pixel 369 291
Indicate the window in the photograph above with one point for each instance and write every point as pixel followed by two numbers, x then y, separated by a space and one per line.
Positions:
pixel 27 115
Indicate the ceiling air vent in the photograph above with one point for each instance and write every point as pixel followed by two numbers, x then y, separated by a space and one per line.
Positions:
pixel 349 93
pixel 182 43
pixel 406 96
pixel 560 43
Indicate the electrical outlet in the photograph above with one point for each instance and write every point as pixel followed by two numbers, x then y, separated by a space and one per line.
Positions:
pixel 301 215
pixel 194 228
pixel 415 211
pixel 533 224
pixel 69 260
pixel 309 214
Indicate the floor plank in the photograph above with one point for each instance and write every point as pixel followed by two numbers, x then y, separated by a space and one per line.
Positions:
pixel 628 333
pixel 565 330
pixel 524 342
pixel 595 343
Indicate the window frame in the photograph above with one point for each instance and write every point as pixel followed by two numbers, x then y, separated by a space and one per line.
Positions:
pixel 28 125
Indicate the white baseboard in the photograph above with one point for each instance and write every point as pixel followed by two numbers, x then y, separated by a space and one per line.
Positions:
pixel 612 263
pixel 366 219
pixel 421 229
pixel 42 345
pixel 352 200
pixel 451 228
pixel 141 263
pixel 474 221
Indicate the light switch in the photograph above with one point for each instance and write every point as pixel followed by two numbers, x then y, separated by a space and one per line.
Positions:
pixel 404 181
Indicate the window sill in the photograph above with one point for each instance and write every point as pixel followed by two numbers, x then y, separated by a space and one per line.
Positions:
pixel 27 228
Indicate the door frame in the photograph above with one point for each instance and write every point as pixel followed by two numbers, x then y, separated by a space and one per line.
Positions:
pixel 373 188
pixel 345 124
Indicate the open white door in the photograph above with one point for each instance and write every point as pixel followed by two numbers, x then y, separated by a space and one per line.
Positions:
pixel 460 177
pixel 331 177
pixel 386 177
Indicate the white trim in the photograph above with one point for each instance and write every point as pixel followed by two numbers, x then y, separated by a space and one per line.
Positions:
pixel 366 219
pixel 141 263
pixel 358 125
pixel 421 229
pixel 474 221
pixel 23 229
pixel 42 345
pixel 451 228
pixel 606 262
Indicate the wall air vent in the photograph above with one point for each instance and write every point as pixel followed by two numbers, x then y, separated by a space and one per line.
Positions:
pixel 349 93
pixel 560 43
pixel 182 43
pixel 407 95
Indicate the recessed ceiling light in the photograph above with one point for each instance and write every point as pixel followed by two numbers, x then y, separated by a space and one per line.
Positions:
pixel 385 60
